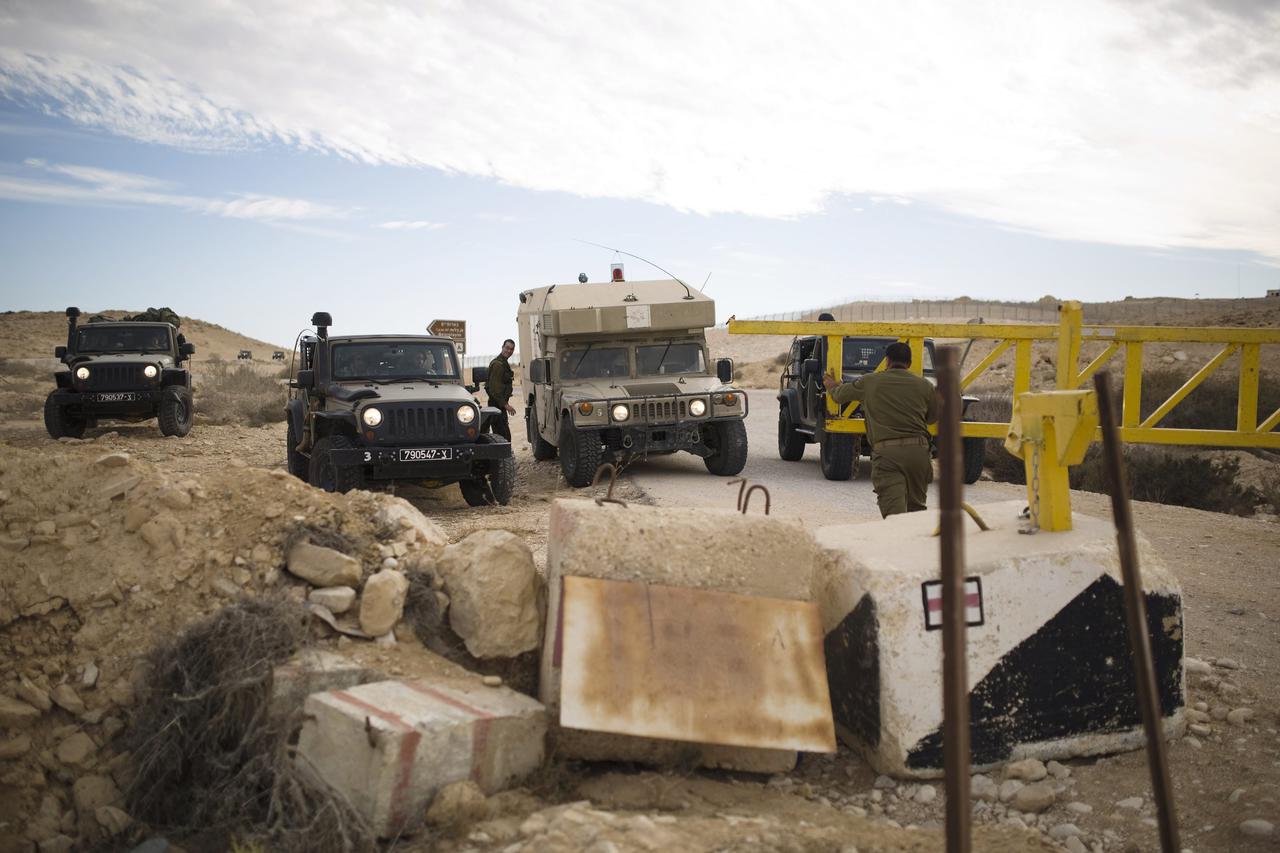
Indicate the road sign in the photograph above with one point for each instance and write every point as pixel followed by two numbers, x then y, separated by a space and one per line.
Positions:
pixel 456 329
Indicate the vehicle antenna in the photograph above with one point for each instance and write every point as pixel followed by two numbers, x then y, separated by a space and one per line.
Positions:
pixel 688 294
pixel 703 289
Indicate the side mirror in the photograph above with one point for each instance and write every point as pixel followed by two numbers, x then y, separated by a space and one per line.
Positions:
pixel 812 368
pixel 724 370
pixel 479 376
pixel 59 353
pixel 186 350
pixel 538 371
pixel 306 379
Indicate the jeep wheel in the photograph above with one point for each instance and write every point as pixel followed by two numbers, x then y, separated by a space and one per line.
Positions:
pixel 835 452
pixel 324 474
pixel 975 450
pixel 59 422
pixel 790 442
pixel 580 452
pixel 175 414
pixel 498 485
pixel 295 461
pixel 542 449
pixel 727 441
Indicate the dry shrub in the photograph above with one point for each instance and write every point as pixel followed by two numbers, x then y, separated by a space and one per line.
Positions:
pixel 1212 405
pixel 1180 479
pixel 239 394
pixel 211 754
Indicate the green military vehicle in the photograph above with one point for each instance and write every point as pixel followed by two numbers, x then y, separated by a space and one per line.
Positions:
pixel 802 413
pixel 375 410
pixel 120 370
pixel 619 370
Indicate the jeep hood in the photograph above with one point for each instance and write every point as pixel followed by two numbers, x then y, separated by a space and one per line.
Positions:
pixel 162 358
pixel 413 392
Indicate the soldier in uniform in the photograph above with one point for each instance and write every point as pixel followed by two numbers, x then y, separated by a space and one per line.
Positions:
pixel 498 387
pixel 898 407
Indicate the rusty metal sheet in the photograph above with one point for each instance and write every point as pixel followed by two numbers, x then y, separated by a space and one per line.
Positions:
pixel 693 665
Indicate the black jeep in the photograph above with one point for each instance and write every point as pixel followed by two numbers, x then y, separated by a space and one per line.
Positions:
pixel 802 414
pixel 120 370
pixel 379 409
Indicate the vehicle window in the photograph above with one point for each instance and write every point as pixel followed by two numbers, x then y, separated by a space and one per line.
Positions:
pixel 394 360
pixel 594 363
pixel 122 339
pixel 864 355
pixel 661 360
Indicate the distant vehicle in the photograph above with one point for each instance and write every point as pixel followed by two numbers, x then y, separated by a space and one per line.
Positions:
pixel 802 413
pixel 381 409
pixel 620 370
pixel 245 354
pixel 117 370
pixel 278 355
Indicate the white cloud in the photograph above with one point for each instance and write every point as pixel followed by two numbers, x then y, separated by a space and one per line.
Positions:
pixel 69 184
pixel 1148 123
pixel 410 225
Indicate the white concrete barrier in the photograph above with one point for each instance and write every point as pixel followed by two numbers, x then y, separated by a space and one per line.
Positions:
pixel 1050 673
pixel 390 746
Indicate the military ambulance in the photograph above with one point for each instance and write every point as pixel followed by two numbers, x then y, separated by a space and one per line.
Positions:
pixel 619 370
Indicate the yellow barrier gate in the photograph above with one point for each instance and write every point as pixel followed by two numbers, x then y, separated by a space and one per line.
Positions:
pixel 1031 413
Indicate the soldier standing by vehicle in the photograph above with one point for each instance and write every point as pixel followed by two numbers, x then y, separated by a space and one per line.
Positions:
pixel 899 407
pixel 498 387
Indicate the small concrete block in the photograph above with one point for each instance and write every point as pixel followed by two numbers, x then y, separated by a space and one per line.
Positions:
pixel 389 747
pixel 314 671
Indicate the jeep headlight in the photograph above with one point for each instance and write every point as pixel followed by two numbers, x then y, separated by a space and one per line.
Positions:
pixel 371 417
pixel 82 373
pixel 466 414
pixel 150 371
pixel 621 412
pixel 698 408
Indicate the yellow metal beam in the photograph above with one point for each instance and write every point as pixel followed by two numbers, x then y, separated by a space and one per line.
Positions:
pixel 1103 358
pixel 1132 413
pixel 1270 423
pixel 1247 402
pixel 1182 334
pixel 993 331
pixel 1199 437
pixel 1190 385
pixel 1071 319
pixel 1022 368
pixel 984 364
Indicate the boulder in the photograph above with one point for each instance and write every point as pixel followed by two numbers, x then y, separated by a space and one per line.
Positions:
pixel 65 697
pixel 92 792
pixel 1028 770
pixel 76 749
pixel 337 598
pixel 493 588
pixel 33 694
pixel 382 602
pixel 323 566
pixel 408 525
pixel 1033 798
pixel 457 805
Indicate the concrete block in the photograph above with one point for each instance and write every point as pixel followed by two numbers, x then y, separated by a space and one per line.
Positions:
pixel 695 549
pixel 314 671
pixel 1050 673
pixel 391 745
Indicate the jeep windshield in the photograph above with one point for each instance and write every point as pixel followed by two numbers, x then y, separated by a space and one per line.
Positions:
pixel 394 360
pixel 863 355
pixel 594 363
pixel 108 339
pixel 665 359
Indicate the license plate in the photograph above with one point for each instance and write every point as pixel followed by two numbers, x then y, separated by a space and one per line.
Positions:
pixel 426 454
pixel 117 397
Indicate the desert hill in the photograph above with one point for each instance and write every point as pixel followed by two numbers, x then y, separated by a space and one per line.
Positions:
pixel 34 334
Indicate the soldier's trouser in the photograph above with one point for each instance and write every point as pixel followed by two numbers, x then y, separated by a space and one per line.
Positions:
pixel 499 425
pixel 901 477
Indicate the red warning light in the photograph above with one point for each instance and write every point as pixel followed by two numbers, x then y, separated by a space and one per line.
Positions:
pixel 617 272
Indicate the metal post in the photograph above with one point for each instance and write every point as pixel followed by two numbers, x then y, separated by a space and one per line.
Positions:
pixel 1136 616
pixel 955 674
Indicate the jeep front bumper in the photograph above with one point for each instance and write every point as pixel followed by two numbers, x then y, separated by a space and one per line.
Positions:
pixel 106 403
pixel 426 462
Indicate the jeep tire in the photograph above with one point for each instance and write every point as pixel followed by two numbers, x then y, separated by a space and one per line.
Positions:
pixel 59 422
pixel 297 464
pixel 580 452
pixel 495 487
pixel 727 441
pixel 324 474
pixel 975 450
pixel 835 453
pixel 175 413
pixel 790 443
pixel 542 449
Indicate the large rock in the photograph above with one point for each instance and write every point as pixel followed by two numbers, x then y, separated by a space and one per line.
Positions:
pixel 14 713
pixel 92 792
pixel 337 598
pixel 65 697
pixel 406 524
pixel 382 602
pixel 323 566
pixel 457 805
pixel 493 591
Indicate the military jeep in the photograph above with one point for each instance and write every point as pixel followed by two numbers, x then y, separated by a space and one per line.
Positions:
pixel 619 370
pixel 370 410
pixel 120 370
pixel 802 414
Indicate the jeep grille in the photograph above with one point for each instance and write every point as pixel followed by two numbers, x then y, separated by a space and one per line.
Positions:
pixel 115 376
pixel 660 411
pixel 405 423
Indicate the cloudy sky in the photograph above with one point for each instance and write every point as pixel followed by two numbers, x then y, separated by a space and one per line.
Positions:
pixel 252 162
